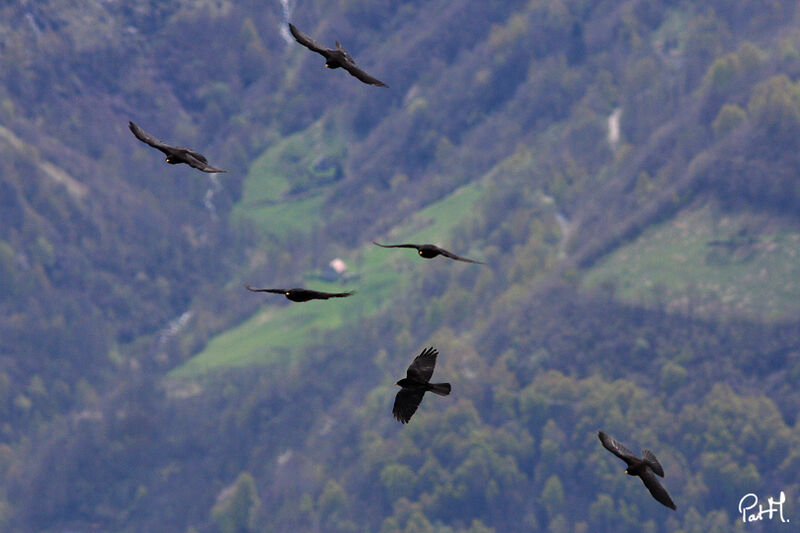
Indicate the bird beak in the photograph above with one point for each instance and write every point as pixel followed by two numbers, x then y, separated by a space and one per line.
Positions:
pixel 396 383
pixel 327 65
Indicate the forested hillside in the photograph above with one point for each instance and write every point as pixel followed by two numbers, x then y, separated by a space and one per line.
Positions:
pixel 627 170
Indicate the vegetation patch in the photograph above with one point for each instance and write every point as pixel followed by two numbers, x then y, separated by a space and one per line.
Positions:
pixel 285 186
pixel 706 261
pixel 278 332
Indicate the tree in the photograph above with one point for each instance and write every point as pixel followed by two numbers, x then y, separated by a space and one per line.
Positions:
pixel 236 506
pixel 728 118
pixel 553 496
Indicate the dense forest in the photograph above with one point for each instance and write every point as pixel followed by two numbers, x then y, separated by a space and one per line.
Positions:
pixel 627 170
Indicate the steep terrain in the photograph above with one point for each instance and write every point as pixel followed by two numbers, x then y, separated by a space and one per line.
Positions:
pixel 626 169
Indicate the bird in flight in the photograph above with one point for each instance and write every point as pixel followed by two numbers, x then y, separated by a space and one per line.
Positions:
pixel 175 154
pixel 429 251
pixel 646 468
pixel 416 384
pixel 302 295
pixel 335 57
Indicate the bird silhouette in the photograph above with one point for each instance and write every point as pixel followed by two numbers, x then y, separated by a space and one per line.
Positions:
pixel 302 295
pixel 429 251
pixel 335 57
pixel 175 154
pixel 646 468
pixel 416 384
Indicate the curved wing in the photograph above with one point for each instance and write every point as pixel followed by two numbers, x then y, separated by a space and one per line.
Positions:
pixel 210 169
pixel 307 41
pixel 656 489
pixel 273 291
pixel 421 369
pixel 198 161
pixel 451 255
pixel 363 76
pixel 415 246
pixel 406 403
pixel 611 444
pixel 319 295
pixel 650 458
pixel 149 139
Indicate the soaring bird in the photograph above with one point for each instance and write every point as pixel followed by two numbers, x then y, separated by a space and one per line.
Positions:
pixel 646 468
pixel 416 384
pixel 302 295
pixel 429 251
pixel 335 57
pixel 175 154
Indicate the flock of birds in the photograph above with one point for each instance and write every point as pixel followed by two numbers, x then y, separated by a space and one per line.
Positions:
pixel 419 373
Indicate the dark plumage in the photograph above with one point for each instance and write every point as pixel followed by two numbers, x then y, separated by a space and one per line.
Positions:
pixel 175 154
pixel 416 384
pixel 335 57
pixel 646 468
pixel 429 251
pixel 302 295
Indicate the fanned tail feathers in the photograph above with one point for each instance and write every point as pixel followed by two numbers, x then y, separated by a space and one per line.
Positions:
pixel 442 389
pixel 650 458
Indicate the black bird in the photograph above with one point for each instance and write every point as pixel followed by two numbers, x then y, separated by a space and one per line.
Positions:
pixel 429 251
pixel 416 384
pixel 302 295
pixel 175 154
pixel 646 468
pixel 335 57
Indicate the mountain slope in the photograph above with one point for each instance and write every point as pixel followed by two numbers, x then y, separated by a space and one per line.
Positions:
pixel 493 140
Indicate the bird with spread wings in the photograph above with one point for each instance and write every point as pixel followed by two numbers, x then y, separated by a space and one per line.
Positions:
pixel 416 384
pixel 335 57
pixel 175 154
pixel 429 251
pixel 646 468
pixel 302 295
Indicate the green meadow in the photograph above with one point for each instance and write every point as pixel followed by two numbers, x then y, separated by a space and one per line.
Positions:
pixel 710 261
pixel 280 330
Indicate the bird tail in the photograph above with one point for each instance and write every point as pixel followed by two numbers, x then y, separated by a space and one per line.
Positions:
pixel 650 458
pixel 442 389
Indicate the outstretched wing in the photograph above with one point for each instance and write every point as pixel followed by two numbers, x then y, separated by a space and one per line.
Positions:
pixel 363 76
pixel 421 369
pixel 347 56
pixel 451 255
pixel 273 291
pixel 406 403
pixel 149 139
pixel 611 444
pixel 656 489
pixel 307 41
pixel 198 161
pixel 650 458
pixel 318 295
pixel 415 246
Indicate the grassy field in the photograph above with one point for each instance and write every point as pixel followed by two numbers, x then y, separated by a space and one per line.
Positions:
pixel 710 262
pixel 280 330
pixel 285 186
